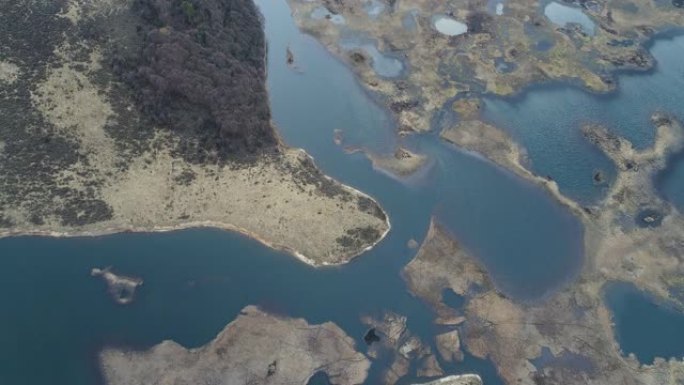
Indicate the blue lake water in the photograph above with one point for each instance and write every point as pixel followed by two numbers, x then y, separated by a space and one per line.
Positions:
pixel 547 120
pixel 645 326
pixel 56 317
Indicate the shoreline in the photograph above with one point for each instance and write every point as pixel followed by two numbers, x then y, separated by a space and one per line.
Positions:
pixel 186 226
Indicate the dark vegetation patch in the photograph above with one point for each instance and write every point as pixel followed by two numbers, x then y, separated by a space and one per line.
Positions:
pixel 199 71
pixel 5 222
pixel 34 153
pixel 404 105
pixel 370 337
pixel 479 22
pixel 196 68
pixel 369 206
pixel 359 237
pixel 308 174
pixel 638 59
pixel 357 57
pixel 185 178
pixel 334 6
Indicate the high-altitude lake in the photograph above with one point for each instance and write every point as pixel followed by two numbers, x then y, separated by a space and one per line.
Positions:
pixel 56 316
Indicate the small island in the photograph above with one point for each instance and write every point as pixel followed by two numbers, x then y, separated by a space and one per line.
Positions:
pixel 121 288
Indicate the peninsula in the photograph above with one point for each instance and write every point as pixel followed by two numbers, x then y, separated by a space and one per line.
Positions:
pixel 153 115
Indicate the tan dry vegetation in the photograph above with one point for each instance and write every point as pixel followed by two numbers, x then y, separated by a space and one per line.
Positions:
pixel 281 200
pixel 402 163
pixel 256 348
pixel 73 104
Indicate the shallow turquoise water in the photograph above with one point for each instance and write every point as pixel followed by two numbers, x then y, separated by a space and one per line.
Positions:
pixel 644 326
pixel 56 317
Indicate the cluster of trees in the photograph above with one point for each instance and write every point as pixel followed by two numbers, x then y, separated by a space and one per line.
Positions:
pixel 201 73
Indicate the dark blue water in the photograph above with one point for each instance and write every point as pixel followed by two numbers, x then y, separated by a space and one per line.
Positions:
pixel 546 120
pixel 671 182
pixel 645 326
pixel 56 317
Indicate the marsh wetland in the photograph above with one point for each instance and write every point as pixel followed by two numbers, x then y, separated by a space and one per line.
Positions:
pixel 543 242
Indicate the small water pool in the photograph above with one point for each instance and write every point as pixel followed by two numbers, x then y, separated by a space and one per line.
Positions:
pixel 645 326
pixel 563 15
pixel 448 26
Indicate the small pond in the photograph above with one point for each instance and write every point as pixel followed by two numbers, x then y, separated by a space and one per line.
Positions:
pixel 563 15
pixel 645 326
pixel 448 26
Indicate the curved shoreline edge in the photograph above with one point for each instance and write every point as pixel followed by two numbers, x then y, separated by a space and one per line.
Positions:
pixel 216 225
